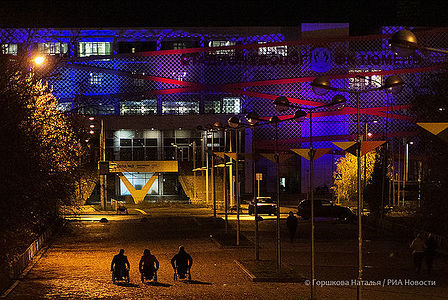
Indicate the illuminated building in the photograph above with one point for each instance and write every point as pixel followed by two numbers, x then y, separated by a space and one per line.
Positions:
pixel 154 86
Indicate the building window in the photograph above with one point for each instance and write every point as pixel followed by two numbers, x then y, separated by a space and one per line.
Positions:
pixel 100 109
pixel 138 180
pixel 359 83
pixel 277 50
pixel 64 106
pixel 179 45
pixel 212 107
pixel 144 107
pixel 139 82
pixel 231 105
pixel 52 48
pixel 96 78
pixel 9 49
pixel 180 107
pixel 222 44
pixel 94 48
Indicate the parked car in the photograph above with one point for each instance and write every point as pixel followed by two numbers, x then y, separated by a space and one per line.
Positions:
pixel 265 205
pixel 325 209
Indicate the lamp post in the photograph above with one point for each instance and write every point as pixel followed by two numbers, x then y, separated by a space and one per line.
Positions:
pixel 234 122
pixel 282 104
pixel 253 120
pixel 220 127
pixel 404 43
pixel 321 86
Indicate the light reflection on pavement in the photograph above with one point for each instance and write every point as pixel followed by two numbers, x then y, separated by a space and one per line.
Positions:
pixel 77 263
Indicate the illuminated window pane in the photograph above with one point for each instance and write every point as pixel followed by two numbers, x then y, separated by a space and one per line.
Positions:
pixel 144 107
pixel 66 106
pixel 52 48
pixel 276 50
pixel 96 78
pixel 94 48
pixel 231 105
pixel 138 180
pixel 179 45
pixel 358 83
pixel 212 107
pixel 180 107
pixel 222 44
pixel 9 49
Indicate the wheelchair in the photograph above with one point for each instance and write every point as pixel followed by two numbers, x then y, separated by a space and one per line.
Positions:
pixel 148 275
pixel 120 274
pixel 187 274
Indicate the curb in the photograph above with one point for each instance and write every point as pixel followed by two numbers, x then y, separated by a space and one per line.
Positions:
pixel 254 278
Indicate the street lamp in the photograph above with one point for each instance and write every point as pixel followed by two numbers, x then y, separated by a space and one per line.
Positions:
pixel 39 60
pixel 282 104
pixel 404 43
pixel 221 127
pixel 321 86
pixel 253 119
pixel 235 122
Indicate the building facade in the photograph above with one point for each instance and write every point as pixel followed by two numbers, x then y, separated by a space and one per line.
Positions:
pixel 153 87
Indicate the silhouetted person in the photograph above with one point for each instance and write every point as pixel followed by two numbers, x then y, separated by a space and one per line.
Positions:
pixel 418 251
pixel 291 223
pixel 430 251
pixel 182 261
pixel 148 265
pixel 120 264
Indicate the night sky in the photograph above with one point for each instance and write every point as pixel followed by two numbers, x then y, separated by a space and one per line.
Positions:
pixel 364 16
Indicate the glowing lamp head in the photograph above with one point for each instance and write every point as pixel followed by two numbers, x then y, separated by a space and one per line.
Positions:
pixel 403 43
pixel 321 85
pixel 39 60
pixel 253 118
pixel 91 132
pixel 394 84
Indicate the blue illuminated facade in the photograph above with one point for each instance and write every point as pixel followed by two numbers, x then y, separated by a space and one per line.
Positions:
pixel 154 86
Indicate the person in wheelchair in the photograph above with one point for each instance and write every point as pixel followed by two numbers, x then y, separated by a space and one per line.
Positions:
pixel 181 263
pixel 148 266
pixel 120 266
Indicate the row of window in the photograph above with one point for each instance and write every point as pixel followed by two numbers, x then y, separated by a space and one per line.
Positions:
pixel 227 105
pixel 105 48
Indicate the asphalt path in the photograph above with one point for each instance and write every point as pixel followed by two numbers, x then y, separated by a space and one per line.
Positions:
pixel 76 265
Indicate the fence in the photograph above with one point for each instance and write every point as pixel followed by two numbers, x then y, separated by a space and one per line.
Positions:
pixel 21 263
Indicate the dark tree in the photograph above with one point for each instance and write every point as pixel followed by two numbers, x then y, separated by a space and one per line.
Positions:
pixel 40 155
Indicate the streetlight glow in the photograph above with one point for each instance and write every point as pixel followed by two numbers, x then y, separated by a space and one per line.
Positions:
pixel 39 60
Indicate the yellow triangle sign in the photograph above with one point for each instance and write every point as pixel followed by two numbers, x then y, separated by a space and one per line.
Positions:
pixel 344 145
pixel 232 155
pixel 434 128
pixel 305 153
pixel 220 154
pixel 368 146
pixel 269 156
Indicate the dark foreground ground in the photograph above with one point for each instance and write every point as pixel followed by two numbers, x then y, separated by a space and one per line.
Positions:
pixel 77 263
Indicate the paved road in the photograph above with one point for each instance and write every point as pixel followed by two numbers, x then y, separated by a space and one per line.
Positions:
pixel 77 264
